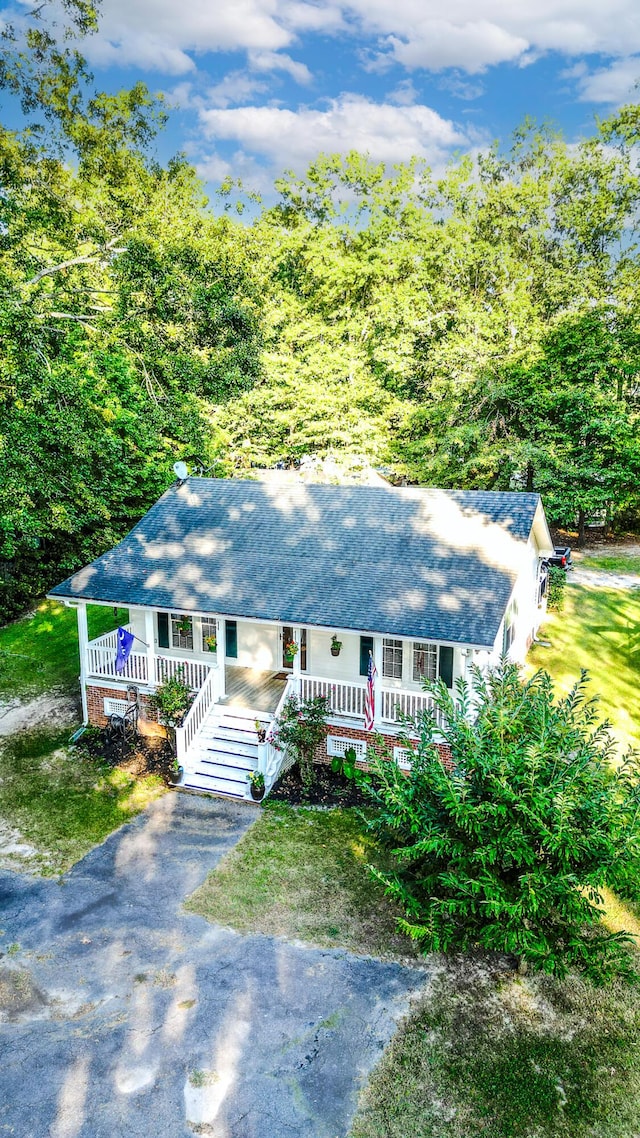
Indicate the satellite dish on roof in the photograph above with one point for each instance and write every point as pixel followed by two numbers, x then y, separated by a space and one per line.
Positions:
pixel 181 471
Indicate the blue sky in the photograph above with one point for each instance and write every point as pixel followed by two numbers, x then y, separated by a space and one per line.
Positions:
pixel 260 85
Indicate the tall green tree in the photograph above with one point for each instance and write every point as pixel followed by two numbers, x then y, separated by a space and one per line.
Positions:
pixel 125 310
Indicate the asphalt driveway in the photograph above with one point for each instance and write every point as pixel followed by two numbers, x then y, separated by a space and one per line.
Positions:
pixel 125 1016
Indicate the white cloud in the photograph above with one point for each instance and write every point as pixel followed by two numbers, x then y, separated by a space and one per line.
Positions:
pixel 438 44
pixel 236 87
pixel 461 88
pixel 613 84
pixel 293 138
pixel 160 33
pixel 474 34
pixel 405 94
pixel 280 61
pixel 467 34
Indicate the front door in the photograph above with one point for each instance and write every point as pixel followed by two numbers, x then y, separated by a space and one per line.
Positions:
pixel 286 635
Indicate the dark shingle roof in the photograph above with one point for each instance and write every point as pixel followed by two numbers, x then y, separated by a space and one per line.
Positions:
pixel 427 564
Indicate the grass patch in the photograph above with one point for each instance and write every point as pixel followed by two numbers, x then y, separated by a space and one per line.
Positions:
pixel 60 800
pixel 489 1053
pixel 40 652
pixel 598 629
pixel 303 874
pixel 611 563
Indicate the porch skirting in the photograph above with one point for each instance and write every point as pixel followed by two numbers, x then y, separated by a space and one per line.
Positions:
pixel 147 721
pixel 369 737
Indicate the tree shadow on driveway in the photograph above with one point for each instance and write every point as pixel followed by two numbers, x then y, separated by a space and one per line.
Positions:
pixel 153 1021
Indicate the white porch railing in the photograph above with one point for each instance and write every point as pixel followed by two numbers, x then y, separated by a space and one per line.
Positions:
pixel 343 698
pixel 396 704
pixel 194 672
pixel 109 639
pixel 271 761
pixel 197 714
pixel 347 699
pixel 101 659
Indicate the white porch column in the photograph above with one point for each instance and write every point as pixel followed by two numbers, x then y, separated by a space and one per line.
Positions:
pixel 221 656
pixel 150 637
pixel 83 641
pixel 296 666
pixel 377 689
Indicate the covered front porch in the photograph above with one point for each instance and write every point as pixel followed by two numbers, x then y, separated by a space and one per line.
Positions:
pixel 243 664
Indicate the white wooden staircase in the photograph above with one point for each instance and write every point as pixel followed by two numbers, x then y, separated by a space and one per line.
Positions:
pixel 223 753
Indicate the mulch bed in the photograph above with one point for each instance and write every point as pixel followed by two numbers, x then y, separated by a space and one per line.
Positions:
pixel 329 789
pixel 147 755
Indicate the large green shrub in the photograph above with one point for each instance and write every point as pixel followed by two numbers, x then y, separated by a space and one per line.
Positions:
pixel 509 846
pixel 299 731
pixel 172 699
pixel 557 585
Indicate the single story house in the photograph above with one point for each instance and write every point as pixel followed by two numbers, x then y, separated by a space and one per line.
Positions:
pixel 221 577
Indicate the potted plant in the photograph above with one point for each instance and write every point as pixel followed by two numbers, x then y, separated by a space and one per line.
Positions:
pixel 290 649
pixel 261 730
pixel 211 643
pixel 171 702
pixel 256 785
pixel 336 645
pixel 175 773
pixel 184 625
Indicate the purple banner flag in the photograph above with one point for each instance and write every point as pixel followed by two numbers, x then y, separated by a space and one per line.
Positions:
pixel 125 644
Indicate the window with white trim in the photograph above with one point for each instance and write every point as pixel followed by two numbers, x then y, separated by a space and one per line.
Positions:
pixel 509 633
pixel 425 660
pixel 209 628
pixel 392 659
pixel 181 631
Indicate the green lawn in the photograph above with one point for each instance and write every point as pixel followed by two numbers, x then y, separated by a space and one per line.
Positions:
pixel 60 801
pixel 55 798
pixel 303 874
pixel 611 563
pixel 486 1052
pixel 598 629
pixel 39 653
pixel 489 1053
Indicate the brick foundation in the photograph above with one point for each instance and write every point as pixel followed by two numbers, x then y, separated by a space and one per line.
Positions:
pixel 147 721
pixel 371 738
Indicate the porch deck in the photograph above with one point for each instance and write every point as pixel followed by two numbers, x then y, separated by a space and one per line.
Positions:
pixel 248 688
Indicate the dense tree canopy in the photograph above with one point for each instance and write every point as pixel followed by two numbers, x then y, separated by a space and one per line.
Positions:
pixel 478 328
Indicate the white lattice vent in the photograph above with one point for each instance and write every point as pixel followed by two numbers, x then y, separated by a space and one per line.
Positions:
pixel 404 757
pixel 337 745
pixel 116 706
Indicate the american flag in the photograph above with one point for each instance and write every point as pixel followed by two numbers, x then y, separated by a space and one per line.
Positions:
pixel 372 672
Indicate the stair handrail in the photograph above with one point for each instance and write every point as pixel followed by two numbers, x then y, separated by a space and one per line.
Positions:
pixel 197 713
pixel 271 760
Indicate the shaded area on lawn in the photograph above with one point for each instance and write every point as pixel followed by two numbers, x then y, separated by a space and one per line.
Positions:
pixel 61 801
pixel 39 652
pixel 598 629
pixel 611 562
pixel 303 874
pixel 490 1053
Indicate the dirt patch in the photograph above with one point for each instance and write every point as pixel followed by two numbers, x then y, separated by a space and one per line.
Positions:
pixel 19 997
pixel 605 578
pixel 15 853
pixel 148 754
pixel 51 710
pixel 330 789
pixel 611 548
